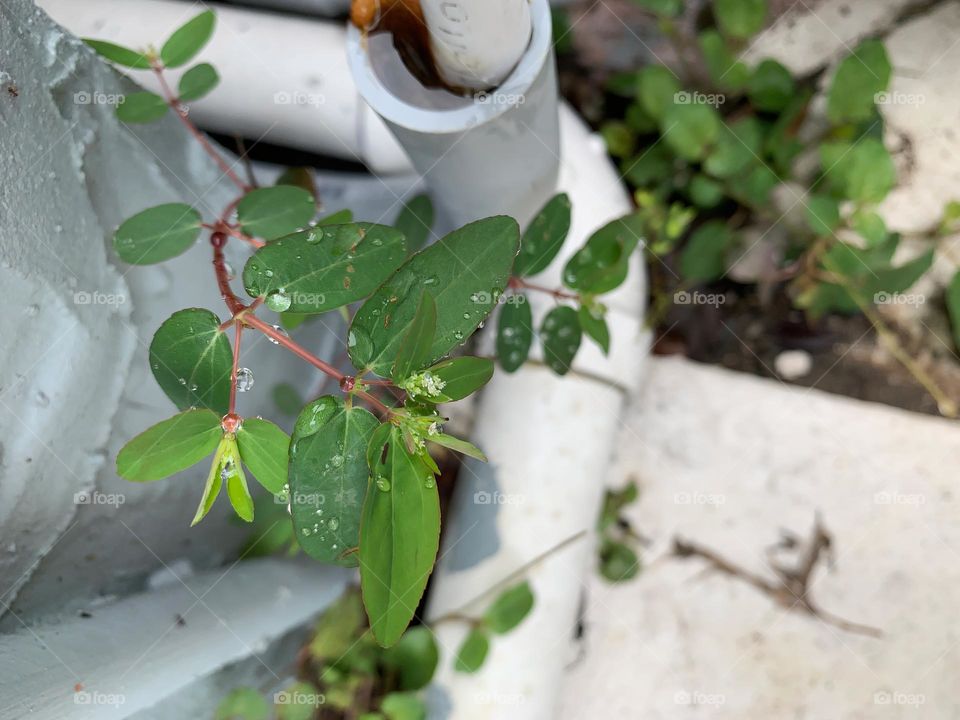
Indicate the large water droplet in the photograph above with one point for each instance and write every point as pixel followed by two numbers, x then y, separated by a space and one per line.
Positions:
pixel 280 331
pixel 333 523
pixel 278 301
pixel 244 379
pixel 383 484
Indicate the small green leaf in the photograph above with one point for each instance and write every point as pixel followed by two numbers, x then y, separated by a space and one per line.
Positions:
pixel 197 82
pixel 211 490
pixel 544 237
pixel 244 703
pixel 328 475
pixel 399 537
pixel 273 212
pixel 457 378
pixel 859 78
pixel 690 129
pixel 192 360
pixel 157 234
pixel 593 323
pixel 323 268
pixel 415 221
pixel 414 352
pixel 704 257
pixel 726 71
pixel 863 171
pixel 953 307
pixel 603 262
pixel 340 217
pixel 263 449
pixel 142 107
pixel 414 658
pixel 514 333
pixel 560 334
pixel 466 272
pixel 657 90
pixel 740 19
pixel 618 137
pixel 738 146
pixel 287 399
pixel 509 609
pixel 705 192
pixel 403 706
pixel 618 562
pixel 651 167
pixel 473 651
pixel 614 502
pixel 754 186
pixel 870 226
pixel 232 470
pixel 823 215
pixel 458 445
pixel 119 54
pixel 170 446
pixel 338 628
pixel 187 40
pixel 771 87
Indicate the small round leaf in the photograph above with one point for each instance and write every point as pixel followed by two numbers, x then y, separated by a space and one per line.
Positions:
pixel 157 234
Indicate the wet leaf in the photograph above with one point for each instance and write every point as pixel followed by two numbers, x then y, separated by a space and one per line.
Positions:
pixel 157 234
pixel 544 237
pixel 560 334
pixel 273 212
pixel 603 262
pixel 514 333
pixel 170 446
pixel 264 450
pixel 415 221
pixel 414 352
pixel 458 377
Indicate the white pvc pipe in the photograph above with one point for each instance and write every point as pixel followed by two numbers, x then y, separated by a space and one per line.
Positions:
pixel 477 43
pixel 283 79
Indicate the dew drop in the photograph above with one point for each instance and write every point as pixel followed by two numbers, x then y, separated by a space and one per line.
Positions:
pixel 244 379
pixel 333 523
pixel 383 484
pixel 280 331
pixel 278 301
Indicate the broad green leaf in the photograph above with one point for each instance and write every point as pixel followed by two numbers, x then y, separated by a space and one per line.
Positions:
pixel 473 651
pixel 509 609
pixel 657 90
pixel 953 307
pixel 187 40
pixel 231 469
pixel 340 217
pixel 666 8
pixel 211 490
pixel 197 82
pixel 273 212
pixel 465 272
pixel 619 138
pixel 338 628
pixel 399 537
pixel 738 146
pixel 544 237
pixel 690 130
pixel 455 379
pixel 514 333
pixel 602 263
pixel 323 268
pixel 142 107
pixel 560 334
pixel 618 562
pixel 192 360
pixel 157 234
pixel 458 445
pixel 287 399
pixel 771 87
pixel 264 449
pixel 862 172
pixel 593 323
pixel 859 77
pixel 403 706
pixel 244 703
pixel 170 446
pixel 740 18
pixel 705 192
pixel 328 476
pixel 119 54
pixel 704 257
pixel 823 215
pixel 414 658
pixel 414 352
pixel 726 71
pixel 415 221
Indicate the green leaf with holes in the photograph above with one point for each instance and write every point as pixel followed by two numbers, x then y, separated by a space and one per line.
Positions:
pixel 170 446
pixel 328 476
pixel 415 221
pixel 859 78
pixel 603 262
pixel 157 234
pixel 514 333
pixel 119 54
pixel 142 107
pixel 264 449
pixel 473 651
pixel 544 237
pixel 187 40
pixel 509 609
pixel 740 19
pixel 273 212
pixel 560 334
pixel 414 352
pixel 399 535
pixel 323 268
pixel 465 272
pixel 192 360
pixel 197 82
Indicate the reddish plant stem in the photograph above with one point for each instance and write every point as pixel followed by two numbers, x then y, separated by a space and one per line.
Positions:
pixel 174 103
pixel 521 284
pixel 238 329
pixel 234 304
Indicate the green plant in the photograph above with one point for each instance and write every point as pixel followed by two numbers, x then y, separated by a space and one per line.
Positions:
pixel 708 154
pixel 360 481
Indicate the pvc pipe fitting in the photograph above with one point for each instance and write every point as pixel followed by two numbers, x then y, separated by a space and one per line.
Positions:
pixel 496 153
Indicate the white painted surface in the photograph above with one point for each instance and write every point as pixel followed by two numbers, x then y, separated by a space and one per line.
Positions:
pixel 730 461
